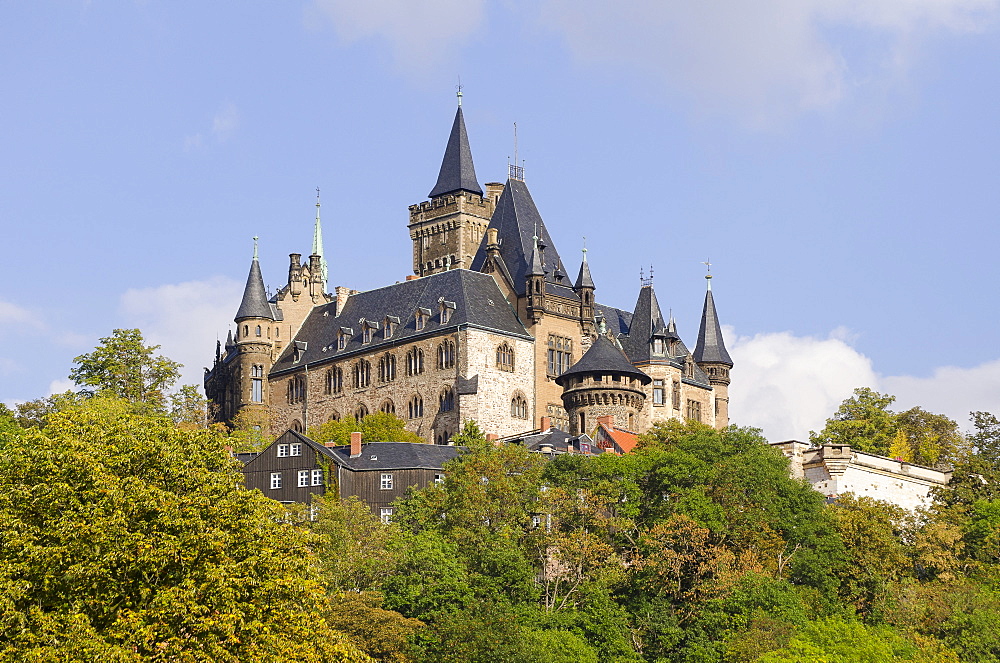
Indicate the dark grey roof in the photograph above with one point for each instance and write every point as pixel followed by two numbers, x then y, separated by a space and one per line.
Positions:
pixel 647 320
pixel 617 320
pixel 711 347
pixel 584 280
pixel 515 219
pixel 254 304
pixel 394 456
pixel 535 267
pixel 603 357
pixel 560 441
pixel 478 303
pixel 457 172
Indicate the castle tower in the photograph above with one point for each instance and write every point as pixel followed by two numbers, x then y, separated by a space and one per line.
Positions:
pixel 447 230
pixel 535 283
pixel 603 383
pixel 711 356
pixel 584 287
pixel 254 345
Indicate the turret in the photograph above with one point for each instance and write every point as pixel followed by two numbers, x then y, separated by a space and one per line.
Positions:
pixel 255 329
pixel 711 356
pixel 584 287
pixel 535 283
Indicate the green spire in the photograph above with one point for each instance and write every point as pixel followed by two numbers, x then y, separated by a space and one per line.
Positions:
pixel 317 248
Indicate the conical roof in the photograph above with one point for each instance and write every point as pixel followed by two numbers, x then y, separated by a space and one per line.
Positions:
pixel 516 220
pixel 604 357
pixel 254 304
pixel 457 171
pixel 584 280
pixel 711 347
pixel 647 320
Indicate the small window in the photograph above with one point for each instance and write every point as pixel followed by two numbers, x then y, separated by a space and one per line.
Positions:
pixel 415 408
pixel 303 478
pixel 258 330
pixel 386 514
pixel 415 361
pixel 256 390
pixel 418 322
pixel 282 450
pixel 361 412
pixel 505 358
pixel 386 483
pixel 446 401
pixel 658 392
pixel 295 449
pixel 317 477
pixel 275 480
pixel 388 407
pixel 438 479
pixel 446 354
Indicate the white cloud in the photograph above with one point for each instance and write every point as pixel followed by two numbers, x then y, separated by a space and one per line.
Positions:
pixel 788 385
pixel 184 319
pixel 60 386
pixel 421 33
pixel 14 316
pixel 762 60
pixel 225 122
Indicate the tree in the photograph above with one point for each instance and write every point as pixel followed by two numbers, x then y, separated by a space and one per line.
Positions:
pixel 189 408
pixel 355 548
pixel 375 427
pixel 131 539
pixel 125 366
pixel 863 421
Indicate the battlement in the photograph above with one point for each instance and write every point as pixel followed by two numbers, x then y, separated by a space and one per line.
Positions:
pixel 451 203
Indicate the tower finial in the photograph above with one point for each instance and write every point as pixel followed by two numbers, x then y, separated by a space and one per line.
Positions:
pixel 458 92
pixel 255 238
pixel 585 248
pixel 708 264
pixel 317 247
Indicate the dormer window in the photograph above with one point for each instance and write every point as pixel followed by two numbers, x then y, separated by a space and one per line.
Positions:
pixel 658 346
pixel 368 330
pixel 446 310
pixel 343 337
pixel 420 318
pixel 391 322
pixel 298 349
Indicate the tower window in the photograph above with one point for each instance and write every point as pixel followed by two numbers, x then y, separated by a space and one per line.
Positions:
pixel 446 354
pixel 415 408
pixel 560 355
pixel 677 395
pixel 387 368
pixel 415 361
pixel 362 374
pixel 658 394
pixel 505 357
pixel 658 346
pixel 693 410
pixel 334 380
pixel 296 389
pixel 258 330
pixel 446 401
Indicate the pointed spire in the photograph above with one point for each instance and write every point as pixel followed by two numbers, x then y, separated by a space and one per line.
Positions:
pixel 254 304
pixel 711 348
pixel 317 248
pixel 229 340
pixel 535 267
pixel 457 170
pixel 584 280
pixel 672 327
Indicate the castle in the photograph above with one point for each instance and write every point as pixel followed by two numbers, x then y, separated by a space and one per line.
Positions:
pixel 489 327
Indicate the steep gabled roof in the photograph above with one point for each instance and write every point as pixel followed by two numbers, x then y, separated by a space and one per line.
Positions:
pixel 516 219
pixel 584 280
pixel 254 304
pixel 711 347
pixel 603 357
pixel 457 171
pixel 624 440
pixel 394 456
pixel 478 303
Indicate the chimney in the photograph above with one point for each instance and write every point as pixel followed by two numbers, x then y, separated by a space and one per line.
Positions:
pixel 493 237
pixel 608 420
pixel 412 277
pixel 330 444
pixel 546 423
pixel 355 444
pixel 493 437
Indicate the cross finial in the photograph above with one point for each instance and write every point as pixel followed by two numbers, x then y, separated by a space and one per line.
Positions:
pixel 708 264
pixel 255 238
pixel 458 89
pixel 317 195
pixel 650 275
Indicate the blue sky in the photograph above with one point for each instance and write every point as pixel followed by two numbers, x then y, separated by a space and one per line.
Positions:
pixel 836 160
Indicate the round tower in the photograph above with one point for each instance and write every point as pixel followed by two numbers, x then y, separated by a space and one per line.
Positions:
pixel 255 329
pixel 603 383
pixel 713 358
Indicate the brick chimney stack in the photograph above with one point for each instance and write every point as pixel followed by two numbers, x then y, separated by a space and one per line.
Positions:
pixel 546 423
pixel 355 444
pixel 607 420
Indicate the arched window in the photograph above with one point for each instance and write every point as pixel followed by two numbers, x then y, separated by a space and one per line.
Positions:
pixel 296 389
pixel 387 367
pixel 415 408
pixel 519 406
pixel 334 416
pixel 446 401
pixel 246 330
pixel 362 374
pixel 446 354
pixel 505 357
pixel 361 412
pixel 297 426
pixel 388 407
pixel 334 380
pixel 258 330
pixel 415 361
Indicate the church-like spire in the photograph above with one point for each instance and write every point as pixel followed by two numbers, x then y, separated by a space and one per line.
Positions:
pixel 584 280
pixel 457 171
pixel 317 248
pixel 535 266
pixel 254 304
pixel 711 348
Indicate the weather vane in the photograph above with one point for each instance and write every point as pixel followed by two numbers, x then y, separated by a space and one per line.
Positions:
pixel 708 263
pixel 459 89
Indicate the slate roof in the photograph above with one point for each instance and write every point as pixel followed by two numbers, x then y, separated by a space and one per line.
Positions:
pixel 603 357
pixel 711 347
pixel 393 456
pixel 584 280
pixel 647 320
pixel 478 303
pixel 515 219
pixel 616 320
pixel 254 304
pixel 560 441
pixel 457 171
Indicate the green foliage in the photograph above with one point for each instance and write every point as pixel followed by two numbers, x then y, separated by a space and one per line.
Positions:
pixel 837 640
pixel 471 435
pixel 355 548
pixel 375 427
pixel 123 365
pixel 865 422
pixel 36 413
pixel 129 538
pixel 385 635
pixel 189 407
